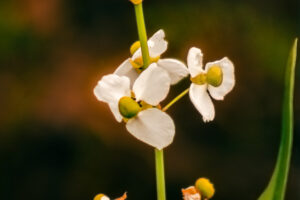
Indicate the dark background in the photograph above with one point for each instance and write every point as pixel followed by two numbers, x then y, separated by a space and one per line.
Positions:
pixel 58 142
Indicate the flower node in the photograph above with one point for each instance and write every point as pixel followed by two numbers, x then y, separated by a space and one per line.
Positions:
pixel 205 188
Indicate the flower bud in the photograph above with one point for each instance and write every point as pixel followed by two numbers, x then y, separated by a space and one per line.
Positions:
pixel 205 188
pixel 214 76
pixel 101 197
pixel 136 2
pixel 128 107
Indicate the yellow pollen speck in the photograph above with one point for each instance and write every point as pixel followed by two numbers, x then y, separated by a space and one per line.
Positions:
pixel 134 47
pixel 136 2
pixel 128 107
pixel 214 76
pixel 205 188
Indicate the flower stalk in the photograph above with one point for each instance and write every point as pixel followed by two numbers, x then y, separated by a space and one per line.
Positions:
pixel 176 99
pixel 159 158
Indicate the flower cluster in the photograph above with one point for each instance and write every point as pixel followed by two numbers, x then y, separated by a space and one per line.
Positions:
pixel 134 91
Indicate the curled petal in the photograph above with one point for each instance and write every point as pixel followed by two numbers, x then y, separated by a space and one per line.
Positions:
pixel 122 197
pixel 157 45
pixel 152 85
pixel 190 193
pixel 126 69
pixel 202 101
pixel 195 61
pixel 175 68
pixel 153 127
pixel 111 88
pixel 228 81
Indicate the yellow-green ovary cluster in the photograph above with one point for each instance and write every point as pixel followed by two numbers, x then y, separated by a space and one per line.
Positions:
pixel 214 77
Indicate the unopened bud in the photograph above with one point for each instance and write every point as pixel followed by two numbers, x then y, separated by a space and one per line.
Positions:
pixel 101 197
pixel 136 2
pixel 205 188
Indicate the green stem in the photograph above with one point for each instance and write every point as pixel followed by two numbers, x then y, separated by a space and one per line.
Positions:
pixel 160 174
pixel 159 156
pixel 176 99
pixel 142 33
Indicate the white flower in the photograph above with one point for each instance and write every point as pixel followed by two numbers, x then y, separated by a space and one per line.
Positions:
pixel 157 46
pixel 145 121
pixel 217 77
pixel 191 193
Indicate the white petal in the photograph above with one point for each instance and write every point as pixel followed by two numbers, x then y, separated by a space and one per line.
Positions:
pixel 153 127
pixel 192 197
pixel 126 69
pixel 202 101
pixel 175 68
pixel 114 107
pixel 105 198
pixel 228 81
pixel 152 85
pixel 157 45
pixel 195 61
pixel 112 87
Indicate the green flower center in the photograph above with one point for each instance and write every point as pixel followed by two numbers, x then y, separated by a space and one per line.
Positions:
pixel 128 107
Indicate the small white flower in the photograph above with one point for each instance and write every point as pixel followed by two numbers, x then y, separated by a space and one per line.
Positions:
pixel 217 77
pixel 190 193
pixel 145 122
pixel 157 46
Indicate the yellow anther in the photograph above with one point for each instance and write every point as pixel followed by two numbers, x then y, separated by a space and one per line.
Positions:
pixel 134 47
pixel 199 79
pixel 205 188
pixel 136 2
pixel 137 63
pixel 214 76
pixel 152 60
pixel 100 196
pixel 128 107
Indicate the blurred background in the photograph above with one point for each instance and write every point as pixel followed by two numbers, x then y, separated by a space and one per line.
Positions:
pixel 58 142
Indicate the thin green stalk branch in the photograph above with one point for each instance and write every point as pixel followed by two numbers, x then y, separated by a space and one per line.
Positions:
pixel 159 156
pixel 176 99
